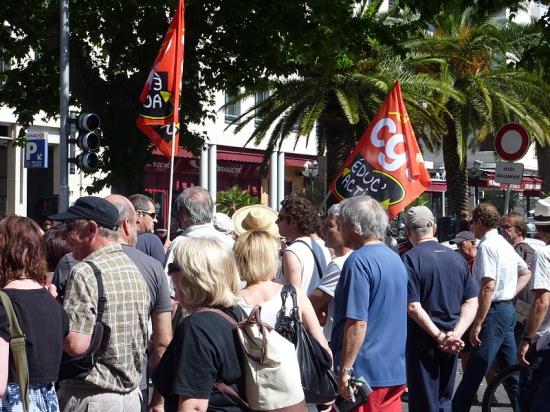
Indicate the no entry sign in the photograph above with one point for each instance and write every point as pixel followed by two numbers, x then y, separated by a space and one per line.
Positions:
pixel 512 142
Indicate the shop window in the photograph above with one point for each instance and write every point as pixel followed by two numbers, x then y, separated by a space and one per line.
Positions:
pixel 232 111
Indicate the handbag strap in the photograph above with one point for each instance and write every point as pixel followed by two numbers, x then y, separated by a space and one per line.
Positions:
pixel 101 299
pixel 290 290
pixel 18 350
pixel 318 265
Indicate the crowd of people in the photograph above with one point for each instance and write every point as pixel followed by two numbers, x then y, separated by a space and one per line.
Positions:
pixel 115 320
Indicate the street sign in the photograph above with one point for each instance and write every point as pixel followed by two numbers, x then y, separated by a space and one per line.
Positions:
pixel 512 142
pixel 36 150
pixel 507 172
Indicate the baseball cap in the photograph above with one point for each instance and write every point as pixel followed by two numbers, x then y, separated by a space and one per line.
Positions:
pixel 419 217
pixel 104 213
pixel 462 236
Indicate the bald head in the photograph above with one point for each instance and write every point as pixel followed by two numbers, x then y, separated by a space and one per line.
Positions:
pixel 127 229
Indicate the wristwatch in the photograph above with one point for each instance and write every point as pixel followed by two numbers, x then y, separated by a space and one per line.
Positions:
pixel 347 371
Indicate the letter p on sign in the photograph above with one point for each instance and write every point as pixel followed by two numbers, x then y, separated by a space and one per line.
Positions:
pixel 32 148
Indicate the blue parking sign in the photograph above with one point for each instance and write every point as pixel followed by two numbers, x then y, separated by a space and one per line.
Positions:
pixel 36 150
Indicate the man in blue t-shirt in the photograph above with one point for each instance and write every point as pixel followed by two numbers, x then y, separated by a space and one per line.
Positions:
pixel 442 303
pixel 370 308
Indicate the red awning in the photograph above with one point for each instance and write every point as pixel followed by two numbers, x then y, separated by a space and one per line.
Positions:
pixel 437 186
pixel 237 154
pixel 528 183
pixel 240 155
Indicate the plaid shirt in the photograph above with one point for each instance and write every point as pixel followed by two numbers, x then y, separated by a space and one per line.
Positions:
pixel 118 368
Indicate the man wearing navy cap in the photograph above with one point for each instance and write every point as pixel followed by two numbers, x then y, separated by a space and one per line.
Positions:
pixel 91 227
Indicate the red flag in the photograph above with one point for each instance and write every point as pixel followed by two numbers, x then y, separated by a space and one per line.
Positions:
pixel 386 164
pixel 160 97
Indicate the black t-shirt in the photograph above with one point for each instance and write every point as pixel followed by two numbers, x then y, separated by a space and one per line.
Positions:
pixel 44 324
pixel 205 350
pixel 440 280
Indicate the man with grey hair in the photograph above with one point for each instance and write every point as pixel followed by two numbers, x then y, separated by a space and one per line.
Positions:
pixel 160 307
pixel 146 218
pixel 322 297
pixel 195 211
pixel 371 292
pixel 442 303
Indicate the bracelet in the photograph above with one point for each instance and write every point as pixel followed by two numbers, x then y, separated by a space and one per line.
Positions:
pixel 347 371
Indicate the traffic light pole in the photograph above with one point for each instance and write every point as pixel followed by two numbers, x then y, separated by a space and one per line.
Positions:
pixel 63 103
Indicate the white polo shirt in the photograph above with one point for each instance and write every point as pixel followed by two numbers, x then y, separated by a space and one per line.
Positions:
pixel 541 280
pixel 496 259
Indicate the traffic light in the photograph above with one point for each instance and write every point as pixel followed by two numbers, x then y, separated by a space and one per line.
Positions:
pixel 88 140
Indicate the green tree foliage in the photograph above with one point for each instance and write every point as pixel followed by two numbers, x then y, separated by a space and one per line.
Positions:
pixel 478 57
pixel 228 44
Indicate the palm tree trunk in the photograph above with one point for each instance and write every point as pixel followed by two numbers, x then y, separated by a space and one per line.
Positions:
pixel 543 161
pixel 456 174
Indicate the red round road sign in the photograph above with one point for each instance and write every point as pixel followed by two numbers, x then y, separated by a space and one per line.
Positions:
pixel 512 142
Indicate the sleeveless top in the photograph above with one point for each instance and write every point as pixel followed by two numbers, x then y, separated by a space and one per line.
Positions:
pixel 270 308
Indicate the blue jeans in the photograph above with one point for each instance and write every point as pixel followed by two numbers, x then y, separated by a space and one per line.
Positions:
pixel 532 377
pixel 497 343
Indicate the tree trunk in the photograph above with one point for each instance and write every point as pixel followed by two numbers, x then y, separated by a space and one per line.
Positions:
pixel 543 161
pixel 456 174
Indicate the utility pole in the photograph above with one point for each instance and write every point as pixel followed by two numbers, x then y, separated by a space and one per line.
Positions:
pixel 63 103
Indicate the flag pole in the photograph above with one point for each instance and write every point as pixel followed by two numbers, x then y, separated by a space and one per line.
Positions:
pixel 169 224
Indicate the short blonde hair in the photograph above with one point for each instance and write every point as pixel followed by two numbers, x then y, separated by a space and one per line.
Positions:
pixel 208 273
pixel 257 254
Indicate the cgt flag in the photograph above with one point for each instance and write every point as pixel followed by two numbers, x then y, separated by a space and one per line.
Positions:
pixel 158 116
pixel 386 164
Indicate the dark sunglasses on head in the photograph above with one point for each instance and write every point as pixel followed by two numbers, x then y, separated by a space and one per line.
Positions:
pixel 152 215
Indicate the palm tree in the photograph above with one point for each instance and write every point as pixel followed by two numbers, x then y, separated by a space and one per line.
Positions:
pixel 477 59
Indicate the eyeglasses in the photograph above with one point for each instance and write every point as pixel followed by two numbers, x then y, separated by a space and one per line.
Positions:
pixel 152 215
pixel 506 227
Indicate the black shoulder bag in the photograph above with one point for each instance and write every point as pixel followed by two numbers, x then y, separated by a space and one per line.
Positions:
pixel 318 381
pixel 80 366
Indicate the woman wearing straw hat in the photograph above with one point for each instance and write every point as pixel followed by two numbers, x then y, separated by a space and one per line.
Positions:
pixel 255 217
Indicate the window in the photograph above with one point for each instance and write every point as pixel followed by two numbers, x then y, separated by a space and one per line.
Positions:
pixel 260 97
pixel 232 111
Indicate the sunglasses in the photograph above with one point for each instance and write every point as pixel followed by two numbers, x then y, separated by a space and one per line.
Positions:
pixel 152 215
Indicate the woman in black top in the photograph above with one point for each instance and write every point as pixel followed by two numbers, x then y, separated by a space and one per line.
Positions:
pixel 41 318
pixel 205 349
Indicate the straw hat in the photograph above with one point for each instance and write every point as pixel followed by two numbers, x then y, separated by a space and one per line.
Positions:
pixel 256 217
pixel 542 212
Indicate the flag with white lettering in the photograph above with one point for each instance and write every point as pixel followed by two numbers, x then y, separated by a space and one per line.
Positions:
pixel 158 116
pixel 387 163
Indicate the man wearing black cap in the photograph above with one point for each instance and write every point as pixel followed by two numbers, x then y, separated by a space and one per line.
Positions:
pixel 465 242
pixel 442 302
pixel 91 225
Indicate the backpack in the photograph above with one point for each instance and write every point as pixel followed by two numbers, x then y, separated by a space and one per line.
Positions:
pixel 18 351
pixel 272 373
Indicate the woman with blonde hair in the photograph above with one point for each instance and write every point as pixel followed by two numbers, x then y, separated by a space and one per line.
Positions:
pixel 41 318
pixel 257 253
pixel 204 350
